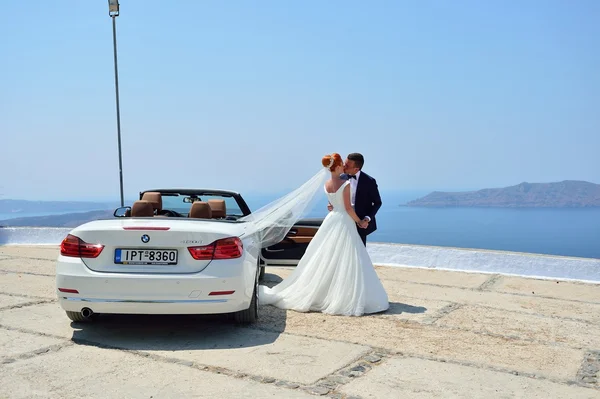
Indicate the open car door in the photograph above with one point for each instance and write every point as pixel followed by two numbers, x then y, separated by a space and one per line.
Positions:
pixel 291 249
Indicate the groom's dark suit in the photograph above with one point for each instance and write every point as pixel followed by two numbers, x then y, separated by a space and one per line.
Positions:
pixel 367 202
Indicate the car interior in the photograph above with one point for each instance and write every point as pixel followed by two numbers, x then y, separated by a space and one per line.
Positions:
pixel 201 205
pixel 151 205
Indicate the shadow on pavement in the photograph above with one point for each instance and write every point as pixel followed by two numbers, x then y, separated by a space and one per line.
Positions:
pixel 271 279
pixel 173 332
pixel 399 308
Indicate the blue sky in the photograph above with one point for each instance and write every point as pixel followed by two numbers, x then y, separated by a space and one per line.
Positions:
pixel 250 95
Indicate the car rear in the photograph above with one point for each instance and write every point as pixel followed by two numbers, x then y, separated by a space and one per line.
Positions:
pixel 155 266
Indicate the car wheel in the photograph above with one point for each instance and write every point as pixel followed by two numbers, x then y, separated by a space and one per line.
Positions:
pixel 76 316
pixel 249 315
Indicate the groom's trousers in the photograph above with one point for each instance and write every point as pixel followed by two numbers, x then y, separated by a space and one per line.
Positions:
pixel 363 235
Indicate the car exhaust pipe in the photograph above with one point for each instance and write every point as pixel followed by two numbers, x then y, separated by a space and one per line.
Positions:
pixel 87 313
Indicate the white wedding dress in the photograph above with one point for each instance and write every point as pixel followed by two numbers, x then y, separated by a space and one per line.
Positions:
pixel 335 275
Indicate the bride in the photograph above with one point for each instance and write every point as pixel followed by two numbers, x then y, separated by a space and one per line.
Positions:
pixel 335 275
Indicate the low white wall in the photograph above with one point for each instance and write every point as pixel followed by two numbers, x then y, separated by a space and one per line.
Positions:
pixel 472 260
pixel 515 263
pixel 33 235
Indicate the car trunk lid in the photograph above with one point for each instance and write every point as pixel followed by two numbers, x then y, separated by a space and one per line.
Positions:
pixel 154 245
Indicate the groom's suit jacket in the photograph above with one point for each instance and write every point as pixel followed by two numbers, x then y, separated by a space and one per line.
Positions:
pixel 367 200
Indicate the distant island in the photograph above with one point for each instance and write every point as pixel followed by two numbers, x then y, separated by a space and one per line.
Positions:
pixel 564 194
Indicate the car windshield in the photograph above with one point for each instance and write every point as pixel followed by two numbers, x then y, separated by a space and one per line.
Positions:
pixel 182 203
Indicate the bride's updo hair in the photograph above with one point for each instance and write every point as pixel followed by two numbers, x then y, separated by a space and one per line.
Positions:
pixel 332 161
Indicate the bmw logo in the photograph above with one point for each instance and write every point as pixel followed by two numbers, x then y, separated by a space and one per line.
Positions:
pixel 145 238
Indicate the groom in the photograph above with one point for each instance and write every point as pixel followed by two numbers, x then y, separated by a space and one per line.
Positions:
pixel 365 196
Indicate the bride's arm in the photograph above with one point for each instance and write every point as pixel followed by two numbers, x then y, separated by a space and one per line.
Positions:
pixel 348 204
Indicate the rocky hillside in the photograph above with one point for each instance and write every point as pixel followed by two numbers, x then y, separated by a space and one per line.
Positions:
pixel 565 194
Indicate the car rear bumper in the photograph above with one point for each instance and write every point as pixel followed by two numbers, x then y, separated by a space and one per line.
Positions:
pixel 103 305
pixel 198 293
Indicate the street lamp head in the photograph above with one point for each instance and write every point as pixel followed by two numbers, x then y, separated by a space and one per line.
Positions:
pixel 113 8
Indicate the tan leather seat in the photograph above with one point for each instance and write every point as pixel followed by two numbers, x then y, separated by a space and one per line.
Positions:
pixel 200 210
pixel 142 208
pixel 218 208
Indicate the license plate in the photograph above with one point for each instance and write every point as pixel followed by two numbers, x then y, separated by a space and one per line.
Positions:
pixel 146 256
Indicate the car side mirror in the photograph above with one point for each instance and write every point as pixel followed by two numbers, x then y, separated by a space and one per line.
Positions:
pixel 122 212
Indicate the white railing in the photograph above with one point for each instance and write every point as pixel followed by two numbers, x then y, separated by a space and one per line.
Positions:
pixel 32 235
pixel 486 261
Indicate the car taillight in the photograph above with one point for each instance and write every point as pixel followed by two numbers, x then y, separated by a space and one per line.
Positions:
pixel 202 253
pixel 76 247
pixel 226 248
pixel 229 248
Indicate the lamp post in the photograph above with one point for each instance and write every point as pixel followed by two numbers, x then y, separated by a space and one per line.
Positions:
pixel 113 12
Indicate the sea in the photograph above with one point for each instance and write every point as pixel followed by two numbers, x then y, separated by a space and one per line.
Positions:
pixel 566 232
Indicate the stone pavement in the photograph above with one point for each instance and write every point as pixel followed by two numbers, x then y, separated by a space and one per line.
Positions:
pixel 446 335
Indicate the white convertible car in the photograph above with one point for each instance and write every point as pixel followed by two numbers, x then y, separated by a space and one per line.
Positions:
pixel 171 252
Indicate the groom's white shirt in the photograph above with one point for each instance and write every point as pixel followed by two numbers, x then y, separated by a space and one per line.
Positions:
pixel 353 186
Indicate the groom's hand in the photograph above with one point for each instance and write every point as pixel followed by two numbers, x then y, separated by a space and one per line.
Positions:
pixel 329 207
pixel 364 224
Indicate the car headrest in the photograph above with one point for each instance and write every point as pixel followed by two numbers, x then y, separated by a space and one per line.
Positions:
pixel 218 208
pixel 155 198
pixel 142 208
pixel 200 210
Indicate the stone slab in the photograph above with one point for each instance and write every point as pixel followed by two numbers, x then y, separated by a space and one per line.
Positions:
pixel 540 328
pixel 519 303
pixel 28 285
pixel 420 340
pixel 542 349
pixel 28 265
pixel 89 372
pixel 49 252
pixel 8 301
pixel 417 378
pixel 436 277
pixel 281 356
pixel 550 288
pixel 299 359
pixel 15 343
